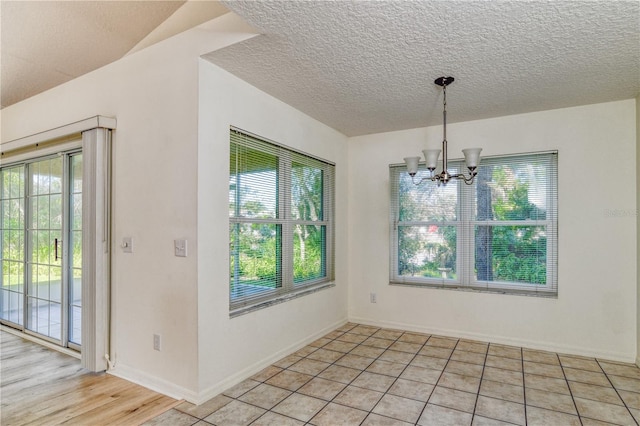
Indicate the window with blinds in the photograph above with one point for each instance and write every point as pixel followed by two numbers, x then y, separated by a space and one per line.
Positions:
pixel 280 223
pixel 498 234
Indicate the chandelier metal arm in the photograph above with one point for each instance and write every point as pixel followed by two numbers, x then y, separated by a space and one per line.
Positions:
pixel 471 155
pixel 443 177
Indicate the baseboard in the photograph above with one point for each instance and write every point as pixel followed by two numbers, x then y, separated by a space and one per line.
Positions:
pixel 152 382
pixel 244 374
pixel 124 372
pixel 638 360
pixel 180 393
pixel 503 340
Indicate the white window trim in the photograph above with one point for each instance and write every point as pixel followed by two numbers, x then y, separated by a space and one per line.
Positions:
pixel 465 253
pixel 289 289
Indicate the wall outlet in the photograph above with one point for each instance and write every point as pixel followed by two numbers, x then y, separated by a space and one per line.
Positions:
pixel 373 297
pixel 156 342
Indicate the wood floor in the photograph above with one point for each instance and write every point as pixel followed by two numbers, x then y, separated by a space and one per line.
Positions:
pixel 40 386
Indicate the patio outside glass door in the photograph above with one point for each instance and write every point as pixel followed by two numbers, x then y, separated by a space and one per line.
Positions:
pixel 42 247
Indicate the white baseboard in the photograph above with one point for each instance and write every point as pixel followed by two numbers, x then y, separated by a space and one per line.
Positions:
pixel 178 392
pixel 249 371
pixel 503 340
pixel 152 382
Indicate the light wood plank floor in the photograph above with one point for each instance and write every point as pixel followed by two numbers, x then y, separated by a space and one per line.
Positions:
pixel 40 386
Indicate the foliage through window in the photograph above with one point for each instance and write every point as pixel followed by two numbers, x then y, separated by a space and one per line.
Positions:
pixel 280 222
pixel 500 233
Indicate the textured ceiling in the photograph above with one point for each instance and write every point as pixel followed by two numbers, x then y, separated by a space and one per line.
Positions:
pixel 47 43
pixel 368 66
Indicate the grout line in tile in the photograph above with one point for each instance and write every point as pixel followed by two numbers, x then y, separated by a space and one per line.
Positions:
pixel 396 379
pixel 617 392
pixel 439 377
pixel 564 374
pixel 356 377
pixel 524 389
pixel 484 364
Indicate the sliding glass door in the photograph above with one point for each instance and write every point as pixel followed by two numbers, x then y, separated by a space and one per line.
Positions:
pixel 13 244
pixel 44 257
pixel 41 223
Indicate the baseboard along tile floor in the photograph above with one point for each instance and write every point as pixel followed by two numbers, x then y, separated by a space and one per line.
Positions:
pixel 364 375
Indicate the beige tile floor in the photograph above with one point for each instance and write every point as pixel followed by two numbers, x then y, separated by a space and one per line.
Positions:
pixel 362 375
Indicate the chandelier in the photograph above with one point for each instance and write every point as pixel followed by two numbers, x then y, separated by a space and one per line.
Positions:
pixel 471 155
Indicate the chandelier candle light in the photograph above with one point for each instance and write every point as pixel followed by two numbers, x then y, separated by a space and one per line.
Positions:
pixel 471 155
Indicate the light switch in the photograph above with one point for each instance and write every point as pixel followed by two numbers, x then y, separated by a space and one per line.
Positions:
pixel 180 247
pixel 127 245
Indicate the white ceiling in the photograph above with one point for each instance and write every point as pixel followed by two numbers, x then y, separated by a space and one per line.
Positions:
pixel 368 66
pixel 359 66
pixel 47 43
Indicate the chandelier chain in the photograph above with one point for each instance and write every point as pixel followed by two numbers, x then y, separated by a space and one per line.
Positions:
pixel 472 155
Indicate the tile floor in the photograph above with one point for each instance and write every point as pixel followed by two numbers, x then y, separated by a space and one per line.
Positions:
pixel 362 375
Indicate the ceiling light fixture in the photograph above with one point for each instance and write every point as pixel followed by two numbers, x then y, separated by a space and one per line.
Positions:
pixel 471 155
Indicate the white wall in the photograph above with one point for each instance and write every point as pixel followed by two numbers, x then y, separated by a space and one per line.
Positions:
pixel 170 174
pixel 232 349
pixel 595 312
pixel 154 96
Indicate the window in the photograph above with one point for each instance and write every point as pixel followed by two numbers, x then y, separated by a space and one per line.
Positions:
pixel 498 234
pixel 280 223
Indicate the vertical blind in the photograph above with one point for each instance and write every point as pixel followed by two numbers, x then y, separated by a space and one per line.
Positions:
pixel 280 221
pixel 500 233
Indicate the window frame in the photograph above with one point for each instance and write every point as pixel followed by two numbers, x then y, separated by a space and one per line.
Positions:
pixel 466 277
pixel 287 287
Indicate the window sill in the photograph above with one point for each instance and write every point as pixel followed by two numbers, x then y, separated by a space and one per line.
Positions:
pixel 284 298
pixel 510 292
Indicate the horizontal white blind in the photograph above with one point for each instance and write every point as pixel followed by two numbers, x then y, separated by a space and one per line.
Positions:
pixel 499 234
pixel 513 223
pixel 280 221
pixel 425 225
